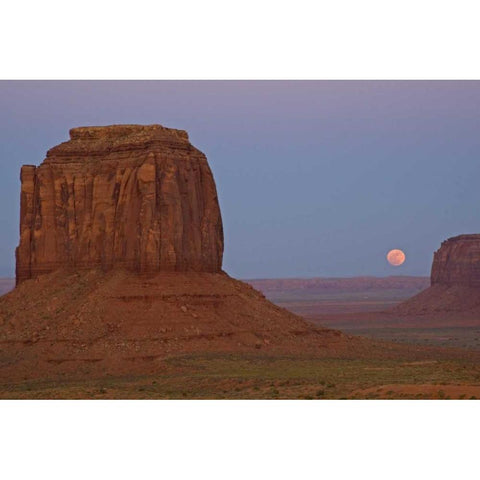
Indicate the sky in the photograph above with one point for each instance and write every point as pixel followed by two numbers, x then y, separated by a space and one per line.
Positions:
pixel 315 178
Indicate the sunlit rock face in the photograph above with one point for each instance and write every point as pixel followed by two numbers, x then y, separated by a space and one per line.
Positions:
pixel 457 262
pixel 130 196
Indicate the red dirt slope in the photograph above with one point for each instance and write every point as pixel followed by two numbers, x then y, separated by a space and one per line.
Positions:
pixel 95 324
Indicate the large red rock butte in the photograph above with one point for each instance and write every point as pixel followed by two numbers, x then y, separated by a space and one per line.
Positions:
pixel 119 264
pixel 131 196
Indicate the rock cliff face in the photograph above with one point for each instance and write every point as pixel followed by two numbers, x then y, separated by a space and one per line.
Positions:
pixel 136 197
pixel 457 262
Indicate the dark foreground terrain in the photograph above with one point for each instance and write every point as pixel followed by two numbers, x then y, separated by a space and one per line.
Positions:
pixel 258 376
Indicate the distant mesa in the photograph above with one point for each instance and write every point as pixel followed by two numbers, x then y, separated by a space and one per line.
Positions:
pixel 320 285
pixel 454 279
pixel 457 262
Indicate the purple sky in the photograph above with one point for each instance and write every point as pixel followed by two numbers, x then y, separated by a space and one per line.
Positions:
pixel 315 178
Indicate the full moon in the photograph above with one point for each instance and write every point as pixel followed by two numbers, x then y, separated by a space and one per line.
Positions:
pixel 395 257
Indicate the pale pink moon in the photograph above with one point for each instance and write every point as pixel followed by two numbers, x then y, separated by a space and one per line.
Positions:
pixel 395 257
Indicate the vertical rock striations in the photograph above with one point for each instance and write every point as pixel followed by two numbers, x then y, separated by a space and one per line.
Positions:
pixel 130 196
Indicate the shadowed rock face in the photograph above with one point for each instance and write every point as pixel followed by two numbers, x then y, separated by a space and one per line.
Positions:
pixel 457 262
pixel 130 196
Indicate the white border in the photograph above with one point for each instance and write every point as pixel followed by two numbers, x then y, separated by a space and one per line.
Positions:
pixel 239 440
pixel 252 39
pixel 180 39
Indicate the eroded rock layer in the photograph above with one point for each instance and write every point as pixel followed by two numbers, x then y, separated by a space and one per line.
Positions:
pixel 131 196
pixel 92 324
pixel 457 262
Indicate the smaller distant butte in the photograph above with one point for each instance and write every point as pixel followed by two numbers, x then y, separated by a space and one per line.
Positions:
pixel 457 262
pixel 455 281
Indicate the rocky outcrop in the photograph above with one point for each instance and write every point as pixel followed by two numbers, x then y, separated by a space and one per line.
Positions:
pixel 455 283
pixel 136 197
pixel 457 262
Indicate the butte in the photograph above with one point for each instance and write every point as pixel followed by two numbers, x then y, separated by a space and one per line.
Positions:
pixel 455 282
pixel 119 264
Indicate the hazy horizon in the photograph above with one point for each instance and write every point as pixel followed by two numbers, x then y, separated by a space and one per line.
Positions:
pixel 301 278
pixel 315 178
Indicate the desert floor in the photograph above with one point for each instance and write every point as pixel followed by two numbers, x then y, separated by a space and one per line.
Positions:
pixel 278 377
pixel 429 359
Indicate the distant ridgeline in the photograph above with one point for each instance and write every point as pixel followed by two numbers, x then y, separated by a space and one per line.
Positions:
pixel 352 284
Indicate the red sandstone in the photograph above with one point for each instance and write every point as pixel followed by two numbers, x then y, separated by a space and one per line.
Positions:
pixel 131 196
